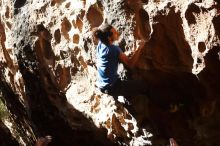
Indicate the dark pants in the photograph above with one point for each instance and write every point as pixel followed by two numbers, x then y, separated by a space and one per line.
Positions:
pixel 126 88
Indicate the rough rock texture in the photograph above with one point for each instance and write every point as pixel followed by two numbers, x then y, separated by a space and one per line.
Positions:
pixel 6 138
pixel 48 72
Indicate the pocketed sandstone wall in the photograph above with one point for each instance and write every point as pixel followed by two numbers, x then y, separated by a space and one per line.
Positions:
pixel 48 63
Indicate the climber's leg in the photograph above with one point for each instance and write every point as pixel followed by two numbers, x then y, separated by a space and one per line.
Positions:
pixel 132 87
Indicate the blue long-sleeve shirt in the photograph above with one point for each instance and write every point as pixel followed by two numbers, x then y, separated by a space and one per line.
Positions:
pixel 107 64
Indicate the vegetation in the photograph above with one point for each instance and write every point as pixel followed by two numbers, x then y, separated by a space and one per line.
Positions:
pixel 3 110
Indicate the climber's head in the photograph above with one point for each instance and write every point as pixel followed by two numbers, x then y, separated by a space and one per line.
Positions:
pixel 107 34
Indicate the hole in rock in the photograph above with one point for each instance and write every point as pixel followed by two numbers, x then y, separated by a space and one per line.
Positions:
pixel 95 17
pixel 16 11
pixel 8 24
pixel 63 54
pixel 199 60
pixel 189 13
pixel 82 62
pixel 66 27
pixel 7 12
pixel 75 64
pixel 78 24
pixel 86 41
pixel 201 47
pixel 19 3
pixel 74 61
pixel 76 38
pixel 76 50
pixel 57 36
pixel 67 5
pixel 145 1
pixel 81 14
pixel 56 2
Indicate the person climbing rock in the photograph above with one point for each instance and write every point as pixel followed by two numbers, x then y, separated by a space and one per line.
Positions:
pixel 108 57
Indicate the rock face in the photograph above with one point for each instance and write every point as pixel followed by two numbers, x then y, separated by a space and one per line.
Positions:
pixel 6 137
pixel 48 72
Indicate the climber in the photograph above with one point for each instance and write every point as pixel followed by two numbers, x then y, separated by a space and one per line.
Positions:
pixel 108 57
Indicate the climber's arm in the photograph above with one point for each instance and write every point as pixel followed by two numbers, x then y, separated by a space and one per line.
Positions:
pixel 130 62
pixel 124 59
